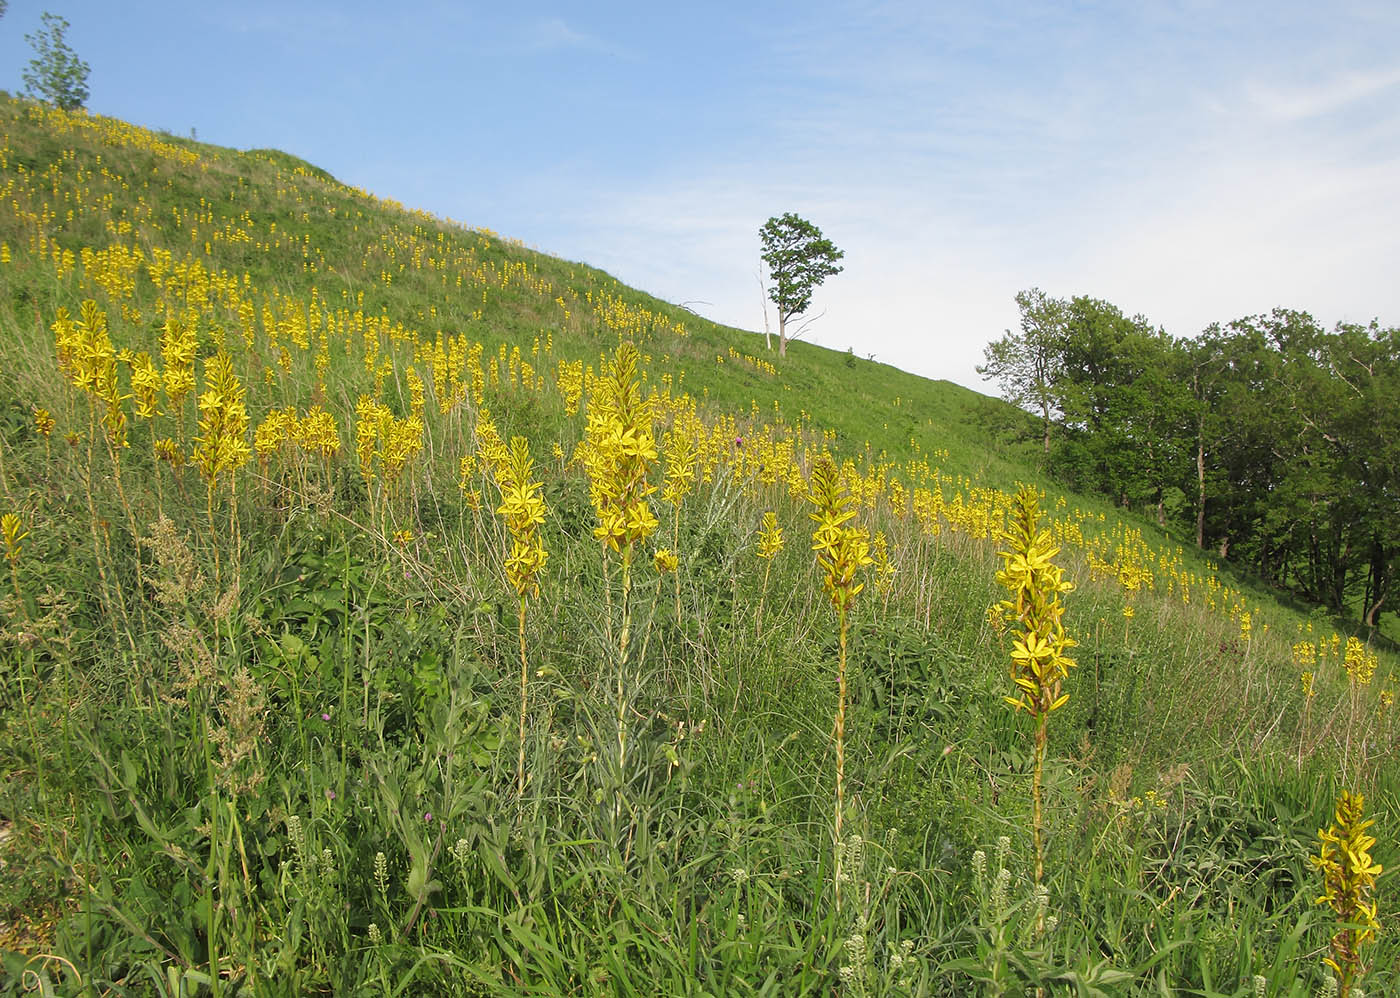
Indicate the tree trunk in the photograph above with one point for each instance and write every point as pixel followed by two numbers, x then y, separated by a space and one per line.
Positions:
pixel 782 334
pixel 1200 490
pixel 1379 583
pixel 1045 417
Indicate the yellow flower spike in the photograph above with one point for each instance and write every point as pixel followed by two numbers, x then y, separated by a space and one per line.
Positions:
pixel 145 386
pixel 465 470
pixel 43 422
pixel 1360 663
pixel 1039 664
pixel 770 537
pixel 223 422
pixel 316 433
pixel 1349 875
pixel 841 551
pixel 14 534
pixel 665 560
pixel 617 451
pixel 523 509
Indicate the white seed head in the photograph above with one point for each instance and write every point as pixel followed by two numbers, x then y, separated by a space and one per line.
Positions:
pixel 1003 850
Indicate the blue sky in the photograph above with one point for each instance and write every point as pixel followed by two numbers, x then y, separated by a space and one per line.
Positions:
pixel 1190 161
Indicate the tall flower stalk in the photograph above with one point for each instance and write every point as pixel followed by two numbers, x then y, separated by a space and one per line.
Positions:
pixel 1348 877
pixel 88 359
pixel 523 510
pixel 770 543
pixel 14 533
pixel 222 446
pixel 680 477
pixel 842 550
pixel 618 451
pixel 1035 611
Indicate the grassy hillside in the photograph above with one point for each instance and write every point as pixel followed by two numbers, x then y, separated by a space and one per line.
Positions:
pixel 290 701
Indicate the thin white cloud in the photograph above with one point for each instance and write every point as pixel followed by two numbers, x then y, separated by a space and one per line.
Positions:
pixel 1294 104
pixel 554 33
pixel 956 166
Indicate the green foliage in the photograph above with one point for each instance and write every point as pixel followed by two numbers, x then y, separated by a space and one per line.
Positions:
pixel 799 258
pixel 55 74
pixel 1029 365
pixel 310 786
pixel 1270 439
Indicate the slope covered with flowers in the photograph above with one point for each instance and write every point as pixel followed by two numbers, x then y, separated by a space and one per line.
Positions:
pixel 256 426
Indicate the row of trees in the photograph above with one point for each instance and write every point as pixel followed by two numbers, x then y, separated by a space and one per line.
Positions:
pixel 1276 440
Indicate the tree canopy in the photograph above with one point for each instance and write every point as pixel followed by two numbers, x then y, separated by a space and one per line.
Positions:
pixel 1274 441
pixel 799 258
pixel 1028 364
pixel 55 74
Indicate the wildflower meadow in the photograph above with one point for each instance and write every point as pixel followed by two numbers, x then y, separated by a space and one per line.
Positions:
pixel 396 610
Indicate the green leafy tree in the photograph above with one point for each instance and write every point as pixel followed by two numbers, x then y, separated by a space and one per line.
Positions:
pixel 1029 365
pixel 798 258
pixel 55 74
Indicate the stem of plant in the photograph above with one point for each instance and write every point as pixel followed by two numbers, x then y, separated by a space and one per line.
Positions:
pixel 622 659
pixel 763 594
pixel 524 680
pixel 840 754
pixel 676 547
pixel 1036 814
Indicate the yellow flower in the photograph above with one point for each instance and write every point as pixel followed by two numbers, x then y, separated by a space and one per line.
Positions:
pixel 1359 662
pixel 317 433
pixel 145 385
pixel 1349 875
pixel 178 345
pixel 770 537
pixel 885 569
pixel 167 450
pixel 43 421
pixel 841 550
pixel 14 533
pixel 222 446
pixel 523 510
pixel 1039 664
pixel 465 469
pixel 665 560
pixel 617 451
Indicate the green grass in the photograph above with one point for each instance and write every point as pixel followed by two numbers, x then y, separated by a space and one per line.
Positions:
pixel 200 783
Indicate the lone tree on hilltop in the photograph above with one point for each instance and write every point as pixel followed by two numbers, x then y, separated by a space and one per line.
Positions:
pixel 55 74
pixel 798 258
